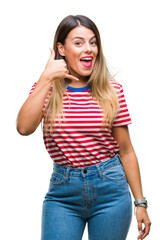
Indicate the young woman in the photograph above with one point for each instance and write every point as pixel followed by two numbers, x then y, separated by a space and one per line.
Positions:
pixel 85 130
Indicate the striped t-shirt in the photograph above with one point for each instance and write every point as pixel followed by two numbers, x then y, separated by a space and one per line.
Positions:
pixel 80 141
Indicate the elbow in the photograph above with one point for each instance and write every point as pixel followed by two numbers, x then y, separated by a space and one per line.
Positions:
pixel 26 128
pixel 126 149
pixel 23 131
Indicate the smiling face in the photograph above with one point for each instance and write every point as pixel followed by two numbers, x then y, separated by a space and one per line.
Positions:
pixel 80 51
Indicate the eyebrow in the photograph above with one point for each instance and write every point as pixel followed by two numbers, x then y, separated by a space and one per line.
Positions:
pixel 83 38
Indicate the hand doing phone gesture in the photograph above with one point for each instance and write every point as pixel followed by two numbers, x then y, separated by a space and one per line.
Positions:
pixel 57 69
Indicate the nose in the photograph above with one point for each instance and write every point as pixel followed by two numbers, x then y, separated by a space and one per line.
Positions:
pixel 87 47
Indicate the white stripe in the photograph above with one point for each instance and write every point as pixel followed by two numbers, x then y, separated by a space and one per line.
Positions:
pixel 81 149
pixel 85 104
pixel 83 119
pixel 73 156
pixel 83 124
pixel 83 110
pixel 121 119
pixel 87 145
pixel 83 114
pixel 78 93
pixel 91 130
pixel 91 149
pixel 121 124
pixel 86 98
pixel 80 134
pixel 122 114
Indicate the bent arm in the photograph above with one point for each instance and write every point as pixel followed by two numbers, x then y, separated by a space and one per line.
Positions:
pixel 30 114
pixel 129 160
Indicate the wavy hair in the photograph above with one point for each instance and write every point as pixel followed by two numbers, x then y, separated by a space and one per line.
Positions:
pixel 100 86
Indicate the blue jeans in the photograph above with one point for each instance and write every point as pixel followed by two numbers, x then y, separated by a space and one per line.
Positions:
pixel 98 195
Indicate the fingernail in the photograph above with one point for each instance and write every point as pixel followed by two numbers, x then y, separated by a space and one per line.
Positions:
pixel 77 79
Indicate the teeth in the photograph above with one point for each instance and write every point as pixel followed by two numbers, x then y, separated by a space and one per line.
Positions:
pixel 87 59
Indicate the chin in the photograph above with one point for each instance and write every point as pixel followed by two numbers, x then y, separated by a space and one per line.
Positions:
pixel 81 72
pixel 85 73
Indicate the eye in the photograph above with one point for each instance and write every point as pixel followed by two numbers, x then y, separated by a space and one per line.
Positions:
pixel 93 43
pixel 78 43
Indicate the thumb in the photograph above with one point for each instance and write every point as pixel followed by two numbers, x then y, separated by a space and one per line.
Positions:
pixel 52 54
pixel 51 57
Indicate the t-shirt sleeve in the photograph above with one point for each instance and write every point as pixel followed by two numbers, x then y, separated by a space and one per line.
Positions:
pixel 33 87
pixel 47 98
pixel 123 117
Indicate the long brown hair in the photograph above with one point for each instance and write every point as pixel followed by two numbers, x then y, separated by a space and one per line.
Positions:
pixel 100 86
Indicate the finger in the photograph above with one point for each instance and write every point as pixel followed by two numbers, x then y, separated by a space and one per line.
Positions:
pixel 146 230
pixel 65 65
pixel 139 225
pixel 71 77
pixel 67 71
pixel 140 235
pixel 140 229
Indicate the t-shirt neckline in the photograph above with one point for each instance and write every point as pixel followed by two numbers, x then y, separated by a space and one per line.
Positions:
pixel 73 89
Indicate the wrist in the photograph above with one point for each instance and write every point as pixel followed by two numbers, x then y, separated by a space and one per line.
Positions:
pixel 45 77
pixel 140 207
pixel 43 83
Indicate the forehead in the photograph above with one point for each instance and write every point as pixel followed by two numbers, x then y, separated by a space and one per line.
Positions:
pixel 82 32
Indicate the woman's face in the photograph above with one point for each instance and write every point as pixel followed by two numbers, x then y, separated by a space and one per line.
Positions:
pixel 80 51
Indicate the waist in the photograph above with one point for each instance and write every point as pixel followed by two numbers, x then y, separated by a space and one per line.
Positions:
pixel 87 170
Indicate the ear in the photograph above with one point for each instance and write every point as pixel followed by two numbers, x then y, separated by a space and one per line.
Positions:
pixel 61 49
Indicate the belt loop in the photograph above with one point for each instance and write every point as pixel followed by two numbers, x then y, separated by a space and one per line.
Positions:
pixel 67 174
pixel 119 158
pixel 54 166
pixel 99 171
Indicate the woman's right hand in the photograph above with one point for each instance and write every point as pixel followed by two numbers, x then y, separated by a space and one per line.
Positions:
pixel 57 69
pixel 30 114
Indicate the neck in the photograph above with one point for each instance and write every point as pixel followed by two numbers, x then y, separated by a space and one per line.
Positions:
pixel 77 84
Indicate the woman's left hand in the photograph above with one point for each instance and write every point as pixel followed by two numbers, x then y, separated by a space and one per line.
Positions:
pixel 142 217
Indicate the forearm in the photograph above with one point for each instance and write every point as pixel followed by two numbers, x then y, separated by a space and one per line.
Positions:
pixel 30 114
pixel 132 171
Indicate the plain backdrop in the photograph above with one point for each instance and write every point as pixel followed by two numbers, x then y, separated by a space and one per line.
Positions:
pixel 134 41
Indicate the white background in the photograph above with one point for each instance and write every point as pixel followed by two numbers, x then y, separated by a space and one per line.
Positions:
pixel 134 41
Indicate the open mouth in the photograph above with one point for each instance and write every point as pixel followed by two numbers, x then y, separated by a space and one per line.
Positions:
pixel 86 61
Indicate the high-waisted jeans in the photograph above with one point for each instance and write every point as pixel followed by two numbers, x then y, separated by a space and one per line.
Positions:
pixel 97 195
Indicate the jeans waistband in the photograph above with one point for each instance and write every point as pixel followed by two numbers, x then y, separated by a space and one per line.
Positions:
pixel 86 171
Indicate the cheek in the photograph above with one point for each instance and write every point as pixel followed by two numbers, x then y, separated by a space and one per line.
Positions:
pixel 73 61
pixel 72 57
pixel 96 52
pixel 96 55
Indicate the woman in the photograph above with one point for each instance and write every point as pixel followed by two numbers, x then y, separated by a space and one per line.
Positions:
pixel 85 131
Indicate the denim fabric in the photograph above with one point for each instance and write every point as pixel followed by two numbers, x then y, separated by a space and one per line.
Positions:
pixel 97 195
